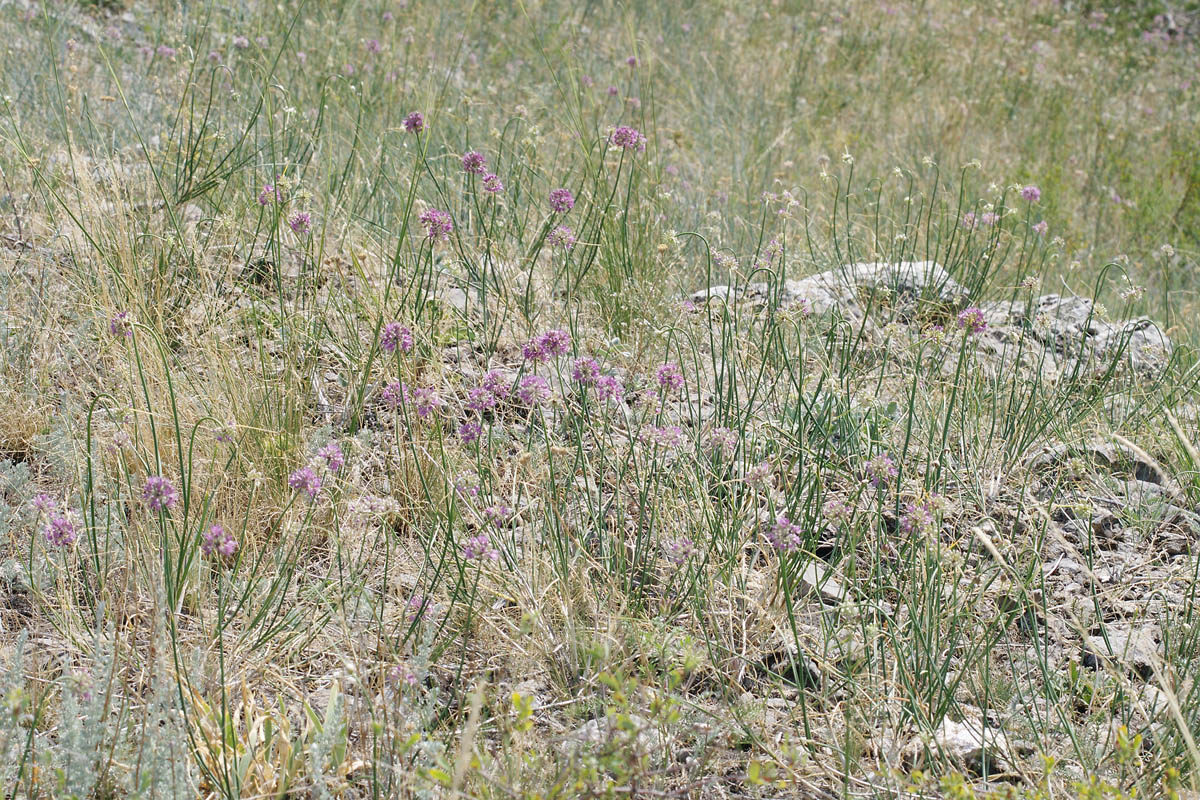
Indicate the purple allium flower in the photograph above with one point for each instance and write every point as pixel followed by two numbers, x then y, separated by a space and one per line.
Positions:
pixel 474 162
pixel 424 399
pixel 438 224
pixel 838 511
pixel 1031 193
pixel 388 16
pixel 972 320
pixel 218 541
pixel 609 388
pixel 159 494
pixel 470 432
pixel 533 390
pixel 760 475
pixel 60 531
pixel 1040 228
pixel 561 238
pixel 44 503
pixel 668 437
pixel 414 122
pixel 373 46
pixel 480 398
pixel 784 535
pixel 418 606
pixel 165 51
pixel 492 183
pixel 301 222
pixel 969 220
pixel 679 550
pixel 631 61
pixel 479 547
pixel 466 484
pixel 241 42
pixel 561 200
pixel 586 370
pixel 393 394
pixel 333 456
pixel 670 377
pixel 881 470
pixel 497 514
pixel 121 324
pixel 546 345
pixel 302 56
pixel 262 41
pixel 628 138
pixel 396 336
pixel 917 518
pixel 214 56
pixel 305 480
pixel 989 218
pixel 268 194
pixel 722 441
pixel 613 91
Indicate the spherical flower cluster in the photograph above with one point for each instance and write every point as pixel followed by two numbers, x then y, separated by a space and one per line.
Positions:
pixel 547 345
pixel 418 606
pixel 474 163
pixel 1031 193
pixel 760 476
pixel 722 441
pixel 628 138
pixel 396 336
pixel 586 371
pixel 1040 228
pixel 492 183
pixel 60 531
pixel 485 396
pixel 44 503
pixel 670 377
pixel 392 395
pixel 497 514
pixel 424 399
pixel 466 484
pixel 438 224
pixel 881 470
pixel 784 535
pixel 158 493
pixel 121 324
pixel 561 238
pixel 972 320
pixel 470 432
pixel 305 480
pixel 479 547
pixel 218 541
pixel 679 550
pixel 668 437
pixel 969 220
pixel 333 457
pixel 609 388
pixel 989 218
pixel 561 200
pixel 533 390
pixel 838 511
pixel 301 222
pixel 269 194
pixel 414 122
pixel 917 518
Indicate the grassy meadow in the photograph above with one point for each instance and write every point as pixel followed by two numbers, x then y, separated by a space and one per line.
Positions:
pixel 366 430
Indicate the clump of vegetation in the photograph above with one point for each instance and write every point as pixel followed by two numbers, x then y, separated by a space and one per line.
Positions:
pixel 405 399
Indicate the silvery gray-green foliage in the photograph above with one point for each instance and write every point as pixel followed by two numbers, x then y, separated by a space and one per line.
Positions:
pixel 14 488
pixel 15 719
pixel 165 768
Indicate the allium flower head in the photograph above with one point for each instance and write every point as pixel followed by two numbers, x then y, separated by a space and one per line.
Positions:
pixel 881 470
pixel 424 400
pixel 668 437
pixel 60 531
pixel 305 480
pixel 838 511
pixel 917 518
pixel 561 238
pixel 784 535
pixel 969 220
pixel 722 441
pixel 121 324
pixel 609 388
pixel 44 503
pixel 586 371
pixel 393 395
pixel 241 42
pixel 479 547
pixel 158 493
pixel 761 475
pixel 492 183
pixel 547 345
pixel 561 200
pixel 628 138
pixel 301 222
pixel 474 162
pixel 679 550
pixel 1040 228
pixel 497 514
pixel 396 336
pixel 333 457
pixel 470 432
pixel 218 541
pixel 1031 193
pixel 438 224
pixel 269 194
pixel 989 218
pixel 414 122
pixel 670 377
pixel 533 390
pixel 972 320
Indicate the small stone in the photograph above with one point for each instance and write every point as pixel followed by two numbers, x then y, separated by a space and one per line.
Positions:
pixel 1137 649
pixel 970 745
pixel 623 730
